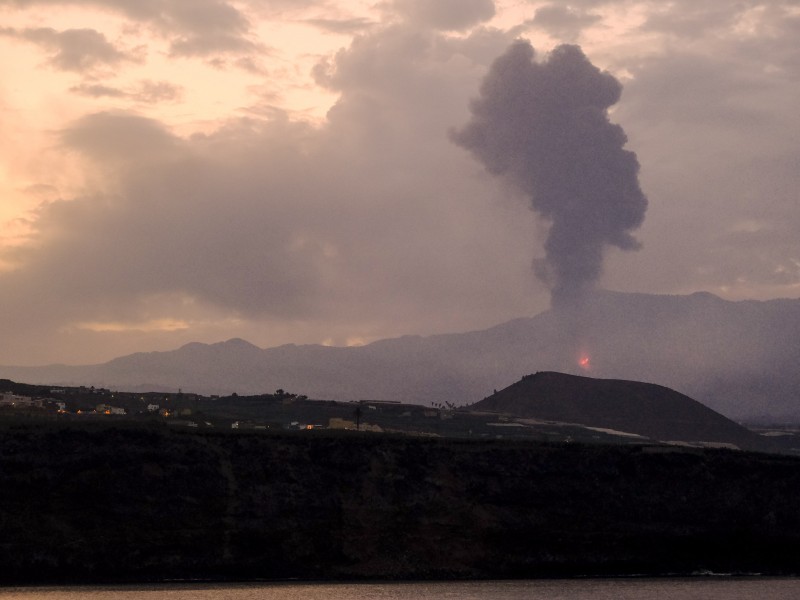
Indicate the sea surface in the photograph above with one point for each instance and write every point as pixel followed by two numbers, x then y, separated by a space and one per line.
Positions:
pixel 703 588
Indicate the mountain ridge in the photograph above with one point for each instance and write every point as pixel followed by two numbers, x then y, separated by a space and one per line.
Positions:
pixel 737 357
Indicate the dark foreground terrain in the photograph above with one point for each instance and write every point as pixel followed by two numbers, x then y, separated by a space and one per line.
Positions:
pixel 102 503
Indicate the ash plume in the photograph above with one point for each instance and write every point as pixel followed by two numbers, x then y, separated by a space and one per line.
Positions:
pixel 544 126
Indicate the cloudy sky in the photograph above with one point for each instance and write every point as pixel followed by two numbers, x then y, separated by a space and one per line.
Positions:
pixel 292 171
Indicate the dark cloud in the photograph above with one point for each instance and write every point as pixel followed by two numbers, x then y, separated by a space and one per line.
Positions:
pixel 545 127
pixel 367 225
pixel 151 92
pixel 212 44
pixel 196 27
pixel 714 126
pixel 248 64
pixel 73 49
pixel 445 14
pixel 373 223
pixel 207 27
pixel 182 222
pixel 407 69
pixel 692 19
pixel 203 17
pixel 343 26
pixel 111 136
pixel 147 92
pixel 193 16
pixel 97 90
pixel 563 22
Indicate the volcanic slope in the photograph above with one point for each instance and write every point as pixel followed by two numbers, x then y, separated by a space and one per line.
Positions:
pixel 739 358
pixel 646 409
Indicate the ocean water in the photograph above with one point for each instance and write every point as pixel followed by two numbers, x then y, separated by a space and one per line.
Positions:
pixel 705 588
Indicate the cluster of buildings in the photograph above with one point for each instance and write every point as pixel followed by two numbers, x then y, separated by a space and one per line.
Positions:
pixel 278 411
pixel 11 400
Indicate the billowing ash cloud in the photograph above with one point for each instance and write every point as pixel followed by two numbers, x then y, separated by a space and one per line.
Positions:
pixel 545 127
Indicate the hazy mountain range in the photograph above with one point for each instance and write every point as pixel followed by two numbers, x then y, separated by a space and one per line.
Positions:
pixel 739 358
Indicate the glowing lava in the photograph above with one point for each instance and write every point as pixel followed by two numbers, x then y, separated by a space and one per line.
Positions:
pixel 584 362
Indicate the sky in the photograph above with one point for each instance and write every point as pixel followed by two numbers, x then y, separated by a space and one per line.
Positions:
pixel 300 171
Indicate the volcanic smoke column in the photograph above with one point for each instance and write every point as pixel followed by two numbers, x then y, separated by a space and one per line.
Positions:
pixel 545 127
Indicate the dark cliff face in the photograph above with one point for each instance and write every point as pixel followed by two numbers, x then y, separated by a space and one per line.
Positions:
pixel 132 504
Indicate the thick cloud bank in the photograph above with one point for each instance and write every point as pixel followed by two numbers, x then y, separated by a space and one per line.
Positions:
pixel 277 230
pixel 445 14
pixel 171 172
pixel 545 127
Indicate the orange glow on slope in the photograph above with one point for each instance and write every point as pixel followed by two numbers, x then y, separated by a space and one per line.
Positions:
pixel 584 362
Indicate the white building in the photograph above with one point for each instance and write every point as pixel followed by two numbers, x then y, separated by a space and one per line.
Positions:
pixel 12 400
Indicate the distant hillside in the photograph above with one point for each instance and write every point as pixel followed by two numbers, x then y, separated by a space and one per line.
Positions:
pixel 739 358
pixel 630 406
